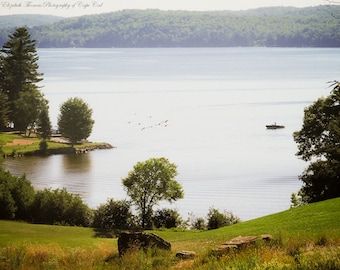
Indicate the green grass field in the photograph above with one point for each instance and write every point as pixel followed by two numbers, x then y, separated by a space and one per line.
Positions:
pixel 306 237
pixel 8 137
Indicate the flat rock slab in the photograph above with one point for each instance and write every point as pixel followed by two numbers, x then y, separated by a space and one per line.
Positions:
pixel 239 243
pixel 241 240
pixel 184 254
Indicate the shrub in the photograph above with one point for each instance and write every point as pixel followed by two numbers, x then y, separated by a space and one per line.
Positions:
pixel 196 223
pixel 60 207
pixel 167 218
pixel 217 219
pixel 43 146
pixel 199 224
pixel 16 196
pixel 113 215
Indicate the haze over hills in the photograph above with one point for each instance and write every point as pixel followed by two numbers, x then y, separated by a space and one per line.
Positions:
pixel 272 27
pixel 12 21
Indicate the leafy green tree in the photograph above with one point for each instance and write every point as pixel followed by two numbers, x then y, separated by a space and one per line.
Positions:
pixel 75 120
pixel 19 67
pixel 16 196
pixel 216 219
pixel 149 183
pixel 29 107
pixel 319 142
pixel 113 215
pixel 296 200
pixel 166 218
pixel 199 224
pixel 196 223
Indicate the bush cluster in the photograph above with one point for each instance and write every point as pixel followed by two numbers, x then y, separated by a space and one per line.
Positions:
pixel 216 219
pixel 114 215
pixel 16 196
pixel 19 201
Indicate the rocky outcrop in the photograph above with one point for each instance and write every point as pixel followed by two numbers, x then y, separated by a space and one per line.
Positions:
pixel 240 243
pixel 87 149
pixel 131 241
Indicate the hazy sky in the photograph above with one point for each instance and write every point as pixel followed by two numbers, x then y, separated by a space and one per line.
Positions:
pixel 81 7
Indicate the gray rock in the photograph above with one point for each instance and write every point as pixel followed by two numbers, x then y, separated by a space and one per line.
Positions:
pixel 186 254
pixel 132 241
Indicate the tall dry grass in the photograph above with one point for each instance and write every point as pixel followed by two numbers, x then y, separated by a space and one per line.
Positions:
pixel 285 254
pixel 49 256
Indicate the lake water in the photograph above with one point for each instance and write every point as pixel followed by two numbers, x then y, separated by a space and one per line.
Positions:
pixel 205 109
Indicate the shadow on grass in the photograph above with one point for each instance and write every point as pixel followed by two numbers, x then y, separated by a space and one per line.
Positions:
pixel 105 233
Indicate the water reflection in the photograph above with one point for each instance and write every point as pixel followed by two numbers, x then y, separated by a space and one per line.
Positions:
pixel 76 175
pixel 76 163
pixel 72 172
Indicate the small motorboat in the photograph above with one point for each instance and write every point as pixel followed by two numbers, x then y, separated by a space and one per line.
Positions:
pixel 275 126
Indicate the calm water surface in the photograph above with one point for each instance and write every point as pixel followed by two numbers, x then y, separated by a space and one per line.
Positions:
pixel 205 109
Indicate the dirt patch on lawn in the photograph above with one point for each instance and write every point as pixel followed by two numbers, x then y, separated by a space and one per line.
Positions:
pixel 21 142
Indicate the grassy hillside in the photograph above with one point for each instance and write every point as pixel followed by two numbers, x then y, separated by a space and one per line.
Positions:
pixel 306 223
pixel 308 234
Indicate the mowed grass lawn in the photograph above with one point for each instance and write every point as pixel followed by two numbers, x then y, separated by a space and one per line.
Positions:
pixel 12 232
pixel 305 222
pixel 13 143
pixel 297 230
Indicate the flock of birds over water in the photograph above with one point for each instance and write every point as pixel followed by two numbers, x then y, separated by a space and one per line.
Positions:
pixel 147 124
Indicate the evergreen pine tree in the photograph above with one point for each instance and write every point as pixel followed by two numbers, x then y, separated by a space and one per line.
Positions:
pixel 19 67
pixel 4 111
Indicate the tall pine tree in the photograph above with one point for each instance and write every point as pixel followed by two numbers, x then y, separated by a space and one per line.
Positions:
pixel 19 68
pixel 4 111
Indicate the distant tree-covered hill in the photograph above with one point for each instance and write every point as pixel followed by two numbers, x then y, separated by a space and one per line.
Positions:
pixel 11 21
pixel 279 26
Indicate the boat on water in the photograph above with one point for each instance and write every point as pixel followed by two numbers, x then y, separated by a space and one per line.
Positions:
pixel 274 126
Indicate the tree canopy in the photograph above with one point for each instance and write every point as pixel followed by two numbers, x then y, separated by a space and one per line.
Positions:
pixel 75 120
pixel 16 196
pixel 113 215
pixel 28 110
pixel 148 183
pixel 319 142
